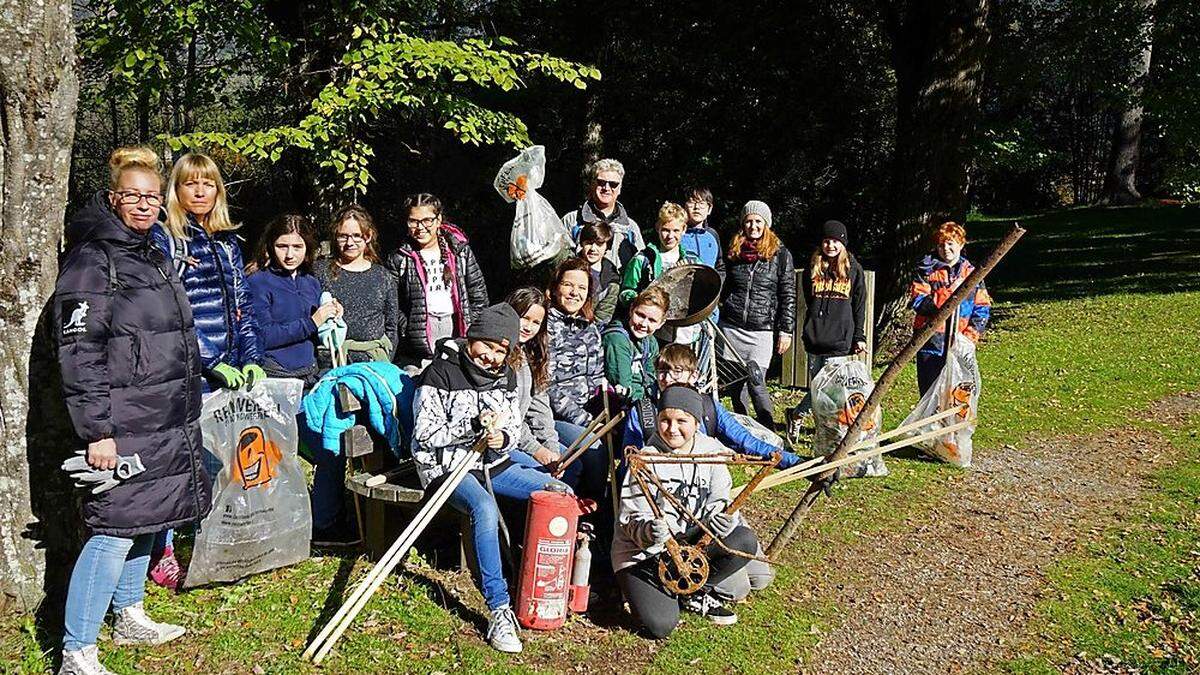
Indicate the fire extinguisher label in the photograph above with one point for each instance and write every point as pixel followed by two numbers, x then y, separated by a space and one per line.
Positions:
pixel 550 601
pixel 558 526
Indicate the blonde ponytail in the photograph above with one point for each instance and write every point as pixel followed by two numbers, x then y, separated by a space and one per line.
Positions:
pixel 132 158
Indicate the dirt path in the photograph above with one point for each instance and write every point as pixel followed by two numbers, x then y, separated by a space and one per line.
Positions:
pixel 948 593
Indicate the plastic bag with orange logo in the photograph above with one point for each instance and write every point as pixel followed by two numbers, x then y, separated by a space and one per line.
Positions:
pixel 839 392
pixel 958 384
pixel 260 518
pixel 538 234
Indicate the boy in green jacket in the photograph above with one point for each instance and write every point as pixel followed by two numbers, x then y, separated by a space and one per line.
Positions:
pixel 650 263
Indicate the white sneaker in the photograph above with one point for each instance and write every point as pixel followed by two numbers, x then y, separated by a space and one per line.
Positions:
pixel 502 631
pixel 84 661
pixel 133 627
pixel 707 605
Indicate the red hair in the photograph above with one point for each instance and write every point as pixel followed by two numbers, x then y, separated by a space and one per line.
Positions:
pixel 949 230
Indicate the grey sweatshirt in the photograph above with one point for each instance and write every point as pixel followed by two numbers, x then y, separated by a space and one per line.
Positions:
pixel 538 429
pixel 703 489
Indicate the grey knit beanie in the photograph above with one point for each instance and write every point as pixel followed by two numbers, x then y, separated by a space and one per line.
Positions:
pixel 757 208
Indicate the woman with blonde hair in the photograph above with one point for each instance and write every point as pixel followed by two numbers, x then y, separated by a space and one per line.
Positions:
pixel 758 305
pixel 131 379
pixel 201 243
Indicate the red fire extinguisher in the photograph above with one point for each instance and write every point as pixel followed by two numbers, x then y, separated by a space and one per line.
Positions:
pixel 551 526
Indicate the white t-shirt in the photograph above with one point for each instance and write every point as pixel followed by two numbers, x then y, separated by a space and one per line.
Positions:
pixel 670 258
pixel 437 294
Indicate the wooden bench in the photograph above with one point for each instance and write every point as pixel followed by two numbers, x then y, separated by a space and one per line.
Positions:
pixel 389 492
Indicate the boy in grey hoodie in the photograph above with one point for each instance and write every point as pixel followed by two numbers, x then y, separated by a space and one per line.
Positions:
pixel 641 536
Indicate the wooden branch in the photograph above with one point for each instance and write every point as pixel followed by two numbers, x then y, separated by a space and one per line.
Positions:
pixel 948 308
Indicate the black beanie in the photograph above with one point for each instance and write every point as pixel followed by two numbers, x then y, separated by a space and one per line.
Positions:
pixel 683 397
pixel 498 323
pixel 835 229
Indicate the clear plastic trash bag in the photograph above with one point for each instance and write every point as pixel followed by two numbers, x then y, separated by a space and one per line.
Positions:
pixel 839 392
pixel 959 383
pixel 261 517
pixel 538 234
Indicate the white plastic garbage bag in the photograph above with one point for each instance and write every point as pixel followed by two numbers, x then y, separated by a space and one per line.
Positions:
pixel 959 383
pixel 260 518
pixel 759 431
pixel 538 234
pixel 839 392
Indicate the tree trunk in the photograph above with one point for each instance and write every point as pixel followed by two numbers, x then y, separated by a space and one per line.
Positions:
pixel 1120 184
pixel 938 50
pixel 39 87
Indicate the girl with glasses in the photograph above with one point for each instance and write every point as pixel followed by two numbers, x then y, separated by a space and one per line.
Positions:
pixel 441 288
pixel 364 288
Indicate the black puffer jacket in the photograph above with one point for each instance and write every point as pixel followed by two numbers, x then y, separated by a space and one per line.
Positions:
pixel 760 295
pixel 131 372
pixel 469 291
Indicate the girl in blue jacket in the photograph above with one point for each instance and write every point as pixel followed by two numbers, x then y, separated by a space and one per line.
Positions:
pixel 287 298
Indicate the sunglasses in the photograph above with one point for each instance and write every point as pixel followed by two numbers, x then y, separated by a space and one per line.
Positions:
pixel 611 184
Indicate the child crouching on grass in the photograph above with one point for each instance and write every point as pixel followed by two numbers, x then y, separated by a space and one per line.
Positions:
pixel 641 536
pixel 463 382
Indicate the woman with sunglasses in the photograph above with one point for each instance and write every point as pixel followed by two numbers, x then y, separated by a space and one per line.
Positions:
pixel 441 288
pixel 367 293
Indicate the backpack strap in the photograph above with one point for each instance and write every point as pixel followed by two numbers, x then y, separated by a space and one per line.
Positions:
pixel 710 415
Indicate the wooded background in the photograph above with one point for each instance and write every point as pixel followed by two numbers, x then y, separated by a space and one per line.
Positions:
pixel 889 115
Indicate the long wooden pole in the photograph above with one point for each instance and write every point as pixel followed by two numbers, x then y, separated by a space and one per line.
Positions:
pixel 341 620
pixel 788 531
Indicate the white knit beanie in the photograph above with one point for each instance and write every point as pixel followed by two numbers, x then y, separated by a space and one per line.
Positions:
pixel 757 208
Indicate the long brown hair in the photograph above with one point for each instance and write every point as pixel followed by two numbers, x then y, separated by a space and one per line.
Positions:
pixel 287 223
pixel 768 246
pixel 575 265
pixel 365 223
pixel 536 350
pixel 822 266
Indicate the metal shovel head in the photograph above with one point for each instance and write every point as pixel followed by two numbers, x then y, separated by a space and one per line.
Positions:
pixel 694 291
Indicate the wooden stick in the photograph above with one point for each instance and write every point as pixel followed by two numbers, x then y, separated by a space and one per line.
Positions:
pixel 781 479
pixel 583 447
pixel 341 620
pixel 783 476
pixel 950 306
pixel 613 488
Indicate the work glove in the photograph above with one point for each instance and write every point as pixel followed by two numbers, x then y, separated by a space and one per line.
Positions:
pixel 103 479
pixel 230 377
pixel 722 523
pixel 660 531
pixel 825 484
pixel 253 374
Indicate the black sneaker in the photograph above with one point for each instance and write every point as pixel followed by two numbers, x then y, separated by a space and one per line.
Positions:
pixel 338 535
pixel 707 605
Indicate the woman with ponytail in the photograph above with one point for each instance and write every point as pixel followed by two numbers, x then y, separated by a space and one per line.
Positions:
pixel 131 378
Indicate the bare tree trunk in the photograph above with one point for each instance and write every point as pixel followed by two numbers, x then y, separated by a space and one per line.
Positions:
pixel 1120 184
pixel 938 50
pixel 39 87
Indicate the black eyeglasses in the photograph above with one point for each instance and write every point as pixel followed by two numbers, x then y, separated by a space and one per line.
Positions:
pixel 130 197
pixel 612 184
pixel 424 223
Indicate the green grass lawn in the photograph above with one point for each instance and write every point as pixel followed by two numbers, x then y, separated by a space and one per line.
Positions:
pixel 1097 315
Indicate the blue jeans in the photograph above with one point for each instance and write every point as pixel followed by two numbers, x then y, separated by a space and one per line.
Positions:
pixel 472 499
pixel 109 570
pixel 929 366
pixel 589 474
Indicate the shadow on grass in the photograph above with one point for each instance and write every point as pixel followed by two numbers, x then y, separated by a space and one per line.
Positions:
pixel 336 595
pixel 1096 251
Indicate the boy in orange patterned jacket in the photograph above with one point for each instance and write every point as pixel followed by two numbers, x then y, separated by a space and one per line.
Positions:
pixel 938 275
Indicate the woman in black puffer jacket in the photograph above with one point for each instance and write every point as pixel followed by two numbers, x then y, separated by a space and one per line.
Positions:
pixel 758 305
pixel 131 377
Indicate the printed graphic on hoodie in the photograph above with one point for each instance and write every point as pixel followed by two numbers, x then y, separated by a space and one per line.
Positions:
pixel 827 287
